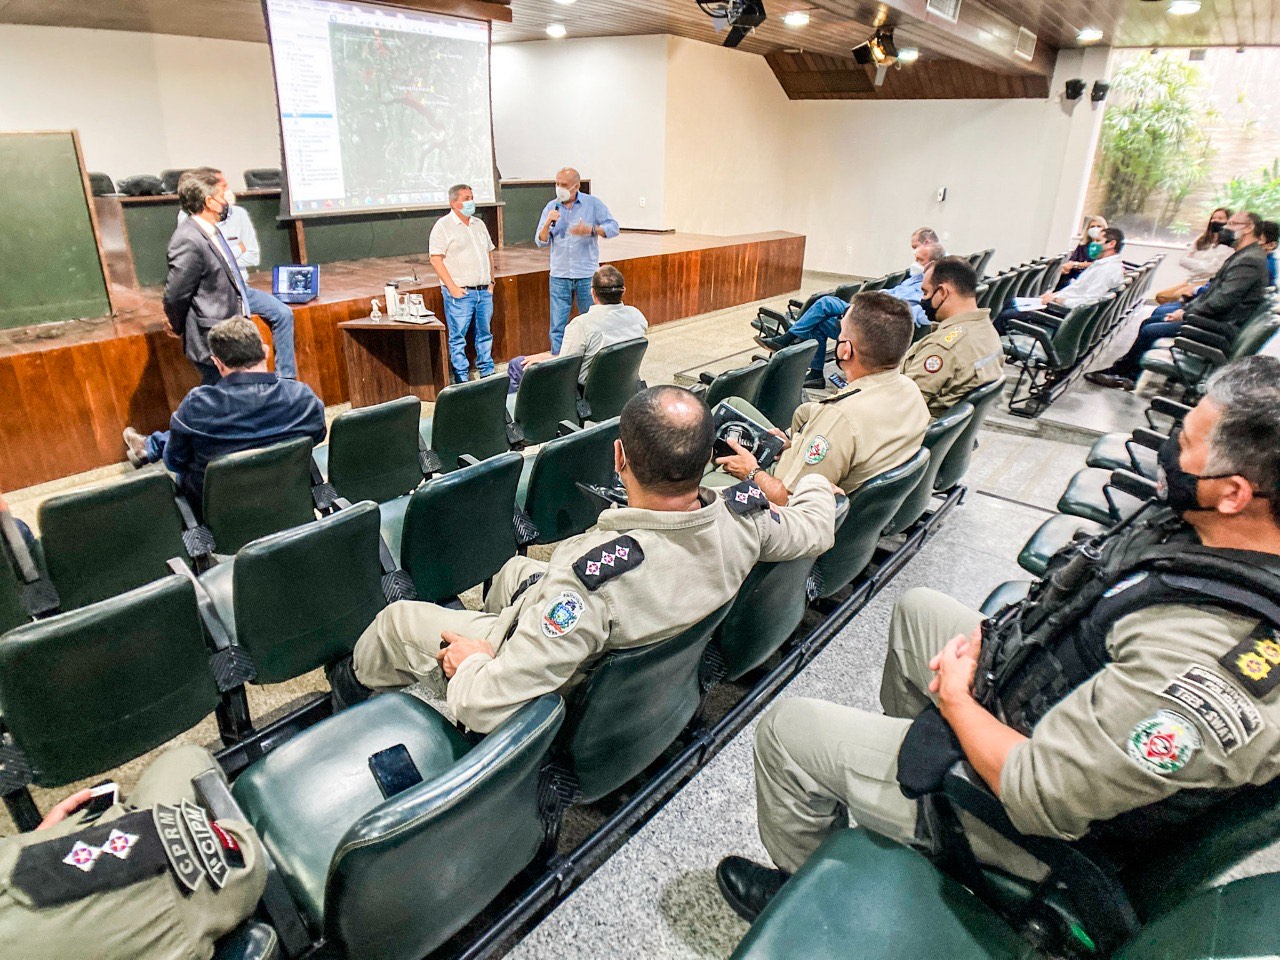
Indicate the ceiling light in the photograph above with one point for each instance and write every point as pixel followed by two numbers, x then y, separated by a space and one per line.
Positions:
pixel 909 54
pixel 556 30
pixel 1089 35
pixel 566 2
pixel 1182 8
pixel 796 18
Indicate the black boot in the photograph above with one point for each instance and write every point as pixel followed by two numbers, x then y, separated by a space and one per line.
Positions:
pixel 814 380
pixel 778 342
pixel 347 689
pixel 747 886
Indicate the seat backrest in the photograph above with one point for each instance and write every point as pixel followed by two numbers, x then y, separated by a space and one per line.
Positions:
pixel 1255 332
pixel 614 378
pixel 548 393
pixel 109 539
pixel 13 611
pixel 1072 331
pixel 938 440
pixel 373 451
pixel 1235 920
pixel 262 178
pixel 782 389
pixel 956 464
pixel 416 869
pixel 88 690
pixel 893 279
pixel 169 179
pixel 1028 280
pixel 255 492
pixel 302 597
pixel 879 283
pixel 1052 273
pixel 871 507
pixel 984 260
pixel 768 609
pixel 141 185
pixel 554 503
pixel 1003 290
pixel 743 382
pixel 470 418
pixel 100 184
pixel 847 291
pixel 459 528
pixel 631 707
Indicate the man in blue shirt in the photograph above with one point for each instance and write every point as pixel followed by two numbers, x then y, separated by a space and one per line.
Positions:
pixel 572 225
pixel 249 407
pixel 821 321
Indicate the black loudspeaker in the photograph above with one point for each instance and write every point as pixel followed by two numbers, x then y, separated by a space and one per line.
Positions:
pixel 1099 91
pixel 1075 89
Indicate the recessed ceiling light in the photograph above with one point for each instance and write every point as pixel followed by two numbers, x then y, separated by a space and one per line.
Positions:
pixel 1089 35
pixel 908 54
pixel 556 30
pixel 796 18
pixel 566 2
pixel 1182 8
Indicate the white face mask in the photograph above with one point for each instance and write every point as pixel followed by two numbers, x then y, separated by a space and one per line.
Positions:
pixel 916 269
pixel 229 197
pixel 563 194
pixel 1095 233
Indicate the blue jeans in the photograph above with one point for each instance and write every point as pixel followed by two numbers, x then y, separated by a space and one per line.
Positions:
pixel 820 322
pixel 1152 329
pixel 474 306
pixel 563 293
pixel 279 317
pixel 1162 311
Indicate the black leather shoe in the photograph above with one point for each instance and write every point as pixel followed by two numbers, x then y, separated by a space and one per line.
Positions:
pixel 747 886
pixel 1100 378
pixel 778 342
pixel 815 381
pixel 347 689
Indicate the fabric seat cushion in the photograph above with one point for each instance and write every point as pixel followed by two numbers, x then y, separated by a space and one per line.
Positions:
pixel 1050 537
pixel 1111 452
pixel 1011 591
pixel 1086 497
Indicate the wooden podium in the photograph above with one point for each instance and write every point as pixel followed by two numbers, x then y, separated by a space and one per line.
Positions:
pixel 388 359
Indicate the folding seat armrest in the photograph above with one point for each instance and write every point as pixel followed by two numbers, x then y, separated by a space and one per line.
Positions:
pixel 706 377
pixel 323 495
pixel 698 389
pixel 583 409
pixel 515 433
pixel 196 537
pixel 231 664
pixel 1203 350
pixel 1170 408
pixel 1152 439
pixel 566 427
pixel 1040 335
pixel 1126 481
pixel 467 460
pixel 1057 310
pixel 793 304
pixel 1208 337
pixel 39 596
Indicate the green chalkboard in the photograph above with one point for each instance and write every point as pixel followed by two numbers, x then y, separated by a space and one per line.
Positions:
pixel 524 201
pixel 51 268
pixel 369 235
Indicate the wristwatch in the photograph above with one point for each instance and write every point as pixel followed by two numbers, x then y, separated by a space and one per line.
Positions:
pixel 751 475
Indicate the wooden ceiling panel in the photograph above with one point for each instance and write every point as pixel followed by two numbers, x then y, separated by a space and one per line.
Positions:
pixel 818 77
pixel 1146 23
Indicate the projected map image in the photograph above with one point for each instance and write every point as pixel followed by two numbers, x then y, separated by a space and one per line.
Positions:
pixel 408 107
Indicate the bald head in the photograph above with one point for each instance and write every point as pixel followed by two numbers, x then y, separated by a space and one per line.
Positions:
pixel 666 434
pixel 568 177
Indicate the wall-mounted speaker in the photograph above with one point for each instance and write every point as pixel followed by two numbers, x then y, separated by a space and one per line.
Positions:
pixel 1075 89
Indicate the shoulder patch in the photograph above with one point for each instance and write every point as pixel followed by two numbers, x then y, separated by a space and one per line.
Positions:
pixel 1226 712
pixel 562 614
pixel 1163 743
pixel 953 336
pixel 745 497
pixel 932 363
pixel 1255 661
pixel 601 564
pixel 817 451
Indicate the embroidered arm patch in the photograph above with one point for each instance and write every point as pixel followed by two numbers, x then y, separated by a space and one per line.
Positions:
pixel 1255 661
pixel 601 564
pixel 1227 713
pixel 746 497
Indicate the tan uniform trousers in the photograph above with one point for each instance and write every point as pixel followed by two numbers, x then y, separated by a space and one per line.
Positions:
pixel 820 765
pixel 400 646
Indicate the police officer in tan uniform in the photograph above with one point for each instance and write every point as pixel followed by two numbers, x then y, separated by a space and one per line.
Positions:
pixel 1166 708
pixel 874 424
pixel 648 571
pixel 151 878
pixel 963 351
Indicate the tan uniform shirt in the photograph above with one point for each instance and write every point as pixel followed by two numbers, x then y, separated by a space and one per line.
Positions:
pixel 875 424
pixel 693 563
pixel 465 248
pixel 960 355
pixel 1163 716
pixel 602 326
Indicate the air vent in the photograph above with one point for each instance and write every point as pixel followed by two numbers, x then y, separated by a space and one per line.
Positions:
pixel 1025 47
pixel 945 9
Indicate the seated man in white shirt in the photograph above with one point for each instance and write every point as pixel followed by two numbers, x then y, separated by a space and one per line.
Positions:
pixel 609 321
pixel 1103 276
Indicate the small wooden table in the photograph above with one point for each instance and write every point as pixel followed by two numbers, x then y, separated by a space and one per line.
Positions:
pixel 388 359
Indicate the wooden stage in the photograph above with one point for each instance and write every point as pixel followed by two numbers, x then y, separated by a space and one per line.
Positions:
pixel 70 389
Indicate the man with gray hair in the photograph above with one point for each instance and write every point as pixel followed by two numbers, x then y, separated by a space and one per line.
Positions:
pixel 461 252
pixel 572 225
pixel 1129 695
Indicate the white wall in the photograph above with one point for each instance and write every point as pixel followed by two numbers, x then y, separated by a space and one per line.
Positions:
pixel 143 102
pixel 598 105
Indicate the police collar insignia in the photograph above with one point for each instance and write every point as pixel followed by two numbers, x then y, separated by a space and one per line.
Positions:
pixel 745 497
pixel 1255 661
pixel 601 564
pixel 562 614
pixel 1164 743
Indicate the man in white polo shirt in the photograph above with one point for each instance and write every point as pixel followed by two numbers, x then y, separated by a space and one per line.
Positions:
pixel 462 254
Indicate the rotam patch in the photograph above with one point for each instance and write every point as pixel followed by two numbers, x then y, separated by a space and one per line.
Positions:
pixel 817 451
pixel 562 614
pixel 932 363
pixel 1163 743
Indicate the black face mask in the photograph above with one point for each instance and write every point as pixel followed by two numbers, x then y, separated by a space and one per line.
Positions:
pixel 224 212
pixel 1215 226
pixel 1179 489
pixel 1227 236
pixel 930 311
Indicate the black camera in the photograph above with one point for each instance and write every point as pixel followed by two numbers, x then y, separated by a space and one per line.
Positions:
pixel 755 438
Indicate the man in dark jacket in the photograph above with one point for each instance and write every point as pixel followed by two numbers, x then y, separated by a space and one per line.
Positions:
pixel 1222 307
pixel 248 407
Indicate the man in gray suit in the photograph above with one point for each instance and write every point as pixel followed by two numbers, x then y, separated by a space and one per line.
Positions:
pixel 204 285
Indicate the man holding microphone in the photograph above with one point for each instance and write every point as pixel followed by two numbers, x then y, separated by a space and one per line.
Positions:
pixel 572 225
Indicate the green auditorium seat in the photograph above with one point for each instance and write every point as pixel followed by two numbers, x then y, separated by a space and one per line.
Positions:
pixel 548 491
pixel 1090 495
pixel 871 507
pixel 630 708
pixel 468 419
pixel 19 576
pixel 372 453
pixel 1050 537
pixel 548 394
pixel 1194 356
pixel 88 690
pixel 459 528
pixel 744 382
pixel 109 539
pixel 299 599
pixel 612 380
pixel 255 492
pixel 1119 451
pixel 394 878
pixel 251 940
pixel 781 390
pixel 956 463
pixel 768 609
pixel 939 439
pixel 1011 591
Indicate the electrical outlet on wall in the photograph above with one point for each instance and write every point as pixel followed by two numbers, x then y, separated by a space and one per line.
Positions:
pixel 642 201
pixel 942 194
